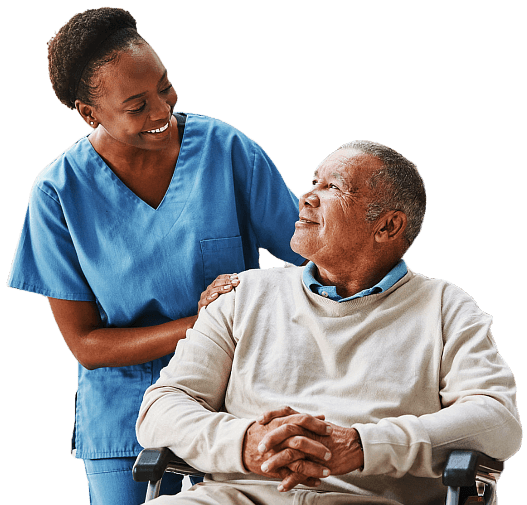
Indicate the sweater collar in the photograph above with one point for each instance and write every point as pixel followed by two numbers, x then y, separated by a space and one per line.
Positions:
pixel 393 276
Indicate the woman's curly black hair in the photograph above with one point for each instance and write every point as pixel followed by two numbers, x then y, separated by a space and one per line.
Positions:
pixel 82 46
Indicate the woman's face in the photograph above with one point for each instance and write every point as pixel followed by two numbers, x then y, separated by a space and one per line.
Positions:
pixel 136 100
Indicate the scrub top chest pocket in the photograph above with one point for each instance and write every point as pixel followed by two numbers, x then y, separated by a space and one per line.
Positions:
pixel 221 256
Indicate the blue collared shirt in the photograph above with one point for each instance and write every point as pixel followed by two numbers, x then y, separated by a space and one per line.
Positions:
pixel 394 275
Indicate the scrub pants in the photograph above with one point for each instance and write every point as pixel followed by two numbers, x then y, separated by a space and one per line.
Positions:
pixel 110 482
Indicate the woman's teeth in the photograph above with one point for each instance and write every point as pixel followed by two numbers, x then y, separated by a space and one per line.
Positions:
pixel 158 130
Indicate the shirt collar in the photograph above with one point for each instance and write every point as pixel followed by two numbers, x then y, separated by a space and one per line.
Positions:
pixel 393 276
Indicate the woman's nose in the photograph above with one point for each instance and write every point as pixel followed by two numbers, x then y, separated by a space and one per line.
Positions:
pixel 159 110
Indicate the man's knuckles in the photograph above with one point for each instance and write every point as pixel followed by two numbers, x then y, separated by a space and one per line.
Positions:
pixel 308 468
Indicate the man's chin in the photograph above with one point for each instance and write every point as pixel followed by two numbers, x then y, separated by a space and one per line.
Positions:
pixel 299 246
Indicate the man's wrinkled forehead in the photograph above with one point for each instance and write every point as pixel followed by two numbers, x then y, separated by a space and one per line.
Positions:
pixel 347 165
pixel 341 176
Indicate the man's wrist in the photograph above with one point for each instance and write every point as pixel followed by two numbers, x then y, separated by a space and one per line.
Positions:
pixel 245 448
pixel 358 449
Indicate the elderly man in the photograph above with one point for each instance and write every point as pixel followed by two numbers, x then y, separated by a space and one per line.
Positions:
pixel 384 371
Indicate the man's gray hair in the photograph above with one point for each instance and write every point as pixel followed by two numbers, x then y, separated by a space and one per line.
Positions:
pixel 398 186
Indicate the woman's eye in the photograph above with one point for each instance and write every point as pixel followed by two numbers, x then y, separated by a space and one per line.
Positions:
pixel 140 109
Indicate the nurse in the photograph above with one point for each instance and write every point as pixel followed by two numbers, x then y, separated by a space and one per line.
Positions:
pixel 127 228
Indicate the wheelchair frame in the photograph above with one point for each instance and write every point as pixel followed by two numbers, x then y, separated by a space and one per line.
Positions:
pixel 466 473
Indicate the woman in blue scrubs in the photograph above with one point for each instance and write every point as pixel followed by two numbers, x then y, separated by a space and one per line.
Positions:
pixel 130 225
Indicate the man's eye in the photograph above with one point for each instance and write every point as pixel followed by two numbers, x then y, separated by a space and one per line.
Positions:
pixel 167 89
pixel 332 186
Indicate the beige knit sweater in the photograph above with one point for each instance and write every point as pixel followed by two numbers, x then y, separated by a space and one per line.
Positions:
pixel 413 369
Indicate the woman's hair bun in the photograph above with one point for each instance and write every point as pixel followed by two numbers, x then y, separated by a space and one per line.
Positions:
pixel 80 48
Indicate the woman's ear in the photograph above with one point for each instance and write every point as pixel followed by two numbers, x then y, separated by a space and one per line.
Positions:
pixel 391 226
pixel 87 113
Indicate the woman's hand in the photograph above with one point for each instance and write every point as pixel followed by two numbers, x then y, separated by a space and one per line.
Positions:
pixel 222 284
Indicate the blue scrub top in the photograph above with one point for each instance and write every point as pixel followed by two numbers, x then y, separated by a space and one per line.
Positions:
pixel 88 237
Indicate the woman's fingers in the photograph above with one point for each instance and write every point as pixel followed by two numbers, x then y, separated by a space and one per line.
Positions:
pixel 222 284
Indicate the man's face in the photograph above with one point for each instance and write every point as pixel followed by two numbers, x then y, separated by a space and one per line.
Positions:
pixel 332 224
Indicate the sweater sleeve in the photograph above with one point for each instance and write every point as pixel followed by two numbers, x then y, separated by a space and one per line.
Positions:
pixel 477 395
pixel 183 409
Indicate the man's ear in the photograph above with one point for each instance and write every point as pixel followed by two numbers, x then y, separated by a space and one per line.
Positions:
pixel 391 226
pixel 87 113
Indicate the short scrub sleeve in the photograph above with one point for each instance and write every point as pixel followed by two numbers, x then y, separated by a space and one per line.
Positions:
pixel 46 261
pixel 273 209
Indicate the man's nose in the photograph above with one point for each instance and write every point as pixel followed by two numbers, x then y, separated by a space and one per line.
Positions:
pixel 309 199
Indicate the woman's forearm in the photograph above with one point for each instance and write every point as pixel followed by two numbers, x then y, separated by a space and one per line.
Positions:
pixel 95 346
pixel 112 347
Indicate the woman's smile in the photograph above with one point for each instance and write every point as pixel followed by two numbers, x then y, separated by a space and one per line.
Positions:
pixel 158 130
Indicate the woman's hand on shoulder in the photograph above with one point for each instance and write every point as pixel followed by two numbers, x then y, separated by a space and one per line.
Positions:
pixel 222 284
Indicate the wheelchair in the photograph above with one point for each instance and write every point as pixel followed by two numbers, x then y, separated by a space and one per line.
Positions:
pixel 470 476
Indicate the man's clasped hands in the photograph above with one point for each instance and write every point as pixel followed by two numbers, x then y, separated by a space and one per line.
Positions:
pixel 300 448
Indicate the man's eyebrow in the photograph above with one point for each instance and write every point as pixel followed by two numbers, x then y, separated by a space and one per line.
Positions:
pixel 339 177
pixel 139 95
pixel 347 185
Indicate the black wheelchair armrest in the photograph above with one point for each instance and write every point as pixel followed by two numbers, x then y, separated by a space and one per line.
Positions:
pixel 462 467
pixel 152 463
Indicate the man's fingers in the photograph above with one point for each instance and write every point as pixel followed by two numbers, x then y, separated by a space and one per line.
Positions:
pixel 296 424
pixel 286 444
pixel 268 416
pixel 295 460
pixel 285 411
pixel 287 415
pixel 291 479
